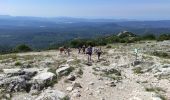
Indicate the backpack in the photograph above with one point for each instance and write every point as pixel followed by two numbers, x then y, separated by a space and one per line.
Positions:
pixel 89 50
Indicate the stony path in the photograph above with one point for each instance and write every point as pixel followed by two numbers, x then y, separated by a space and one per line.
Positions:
pixel 131 86
pixel 95 89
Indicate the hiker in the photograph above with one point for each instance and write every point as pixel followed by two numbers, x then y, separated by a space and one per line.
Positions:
pixel 61 50
pixel 65 49
pixel 79 50
pixel 89 53
pixel 84 49
pixel 99 52
pixel 68 50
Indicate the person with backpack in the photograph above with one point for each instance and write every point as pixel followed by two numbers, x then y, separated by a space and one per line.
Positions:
pixel 79 50
pixel 99 52
pixel 89 53
pixel 84 49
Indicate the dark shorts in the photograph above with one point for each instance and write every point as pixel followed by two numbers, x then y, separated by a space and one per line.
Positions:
pixel 89 53
pixel 99 53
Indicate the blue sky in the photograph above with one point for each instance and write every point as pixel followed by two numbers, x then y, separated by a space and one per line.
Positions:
pixel 128 9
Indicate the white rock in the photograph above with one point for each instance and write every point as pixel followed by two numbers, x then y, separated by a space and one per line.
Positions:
pixel 11 71
pixel 69 88
pixel 44 76
pixel 63 70
pixel 156 98
pixel 51 95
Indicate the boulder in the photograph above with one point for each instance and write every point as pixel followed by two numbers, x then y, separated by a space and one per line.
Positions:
pixel 18 72
pixel 44 77
pixel 51 94
pixel 63 70
pixel 16 80
pixel 13 72
pixel 14 84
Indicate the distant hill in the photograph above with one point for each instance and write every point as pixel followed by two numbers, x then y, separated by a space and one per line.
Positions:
pixel 126 34
pixel 41 32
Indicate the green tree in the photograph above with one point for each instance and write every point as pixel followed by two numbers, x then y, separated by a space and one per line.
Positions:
pixel 22 48
pixel 164 37
pixel 149 37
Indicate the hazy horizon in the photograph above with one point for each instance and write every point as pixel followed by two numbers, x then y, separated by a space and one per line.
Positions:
pixel 112 9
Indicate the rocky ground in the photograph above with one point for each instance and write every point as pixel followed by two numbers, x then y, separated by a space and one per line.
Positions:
pixel 49 75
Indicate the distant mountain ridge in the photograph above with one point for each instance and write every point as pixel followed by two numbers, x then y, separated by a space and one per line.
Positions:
pixel 40 32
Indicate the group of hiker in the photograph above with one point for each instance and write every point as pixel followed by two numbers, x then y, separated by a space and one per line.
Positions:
pixel 84 50
pixel 65 50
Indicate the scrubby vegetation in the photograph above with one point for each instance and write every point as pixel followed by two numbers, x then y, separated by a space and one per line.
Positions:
pixel 158 91
pixel 137 70
pixel 148 37
pixel 22 48
pixel 161 54
pixel 164 37
pixel 125 37
pixel 128 37
pixel 18 63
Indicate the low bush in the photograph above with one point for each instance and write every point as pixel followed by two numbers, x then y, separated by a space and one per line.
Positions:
pixel 161 54
pixel 137 70
pixel 22 48
pixel 18 63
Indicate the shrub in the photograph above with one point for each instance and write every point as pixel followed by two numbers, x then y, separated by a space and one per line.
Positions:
pixel 149 37
pixel 66 98
pixel 155 89
pixel 52 70
pixel 164 37
pixel 109 46
pixel 18 64
pixel 137 70
pixel 22 48
pixel 161 54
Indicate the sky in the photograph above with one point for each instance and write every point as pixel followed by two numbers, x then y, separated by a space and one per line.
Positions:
pixel 117 9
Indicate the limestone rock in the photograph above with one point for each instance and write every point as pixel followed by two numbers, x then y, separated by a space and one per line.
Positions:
pixel 63 70
pixel 51 94
pixel 42 80
pixel 69 88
